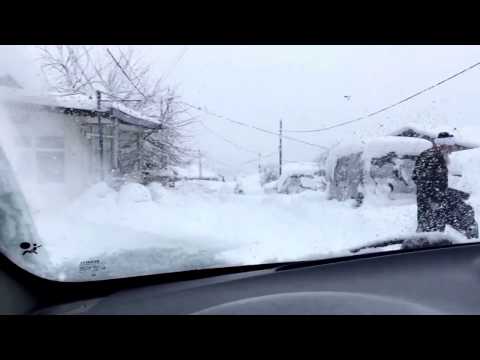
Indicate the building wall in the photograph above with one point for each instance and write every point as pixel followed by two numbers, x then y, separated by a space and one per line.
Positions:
pixel 57 155
pixel 51 156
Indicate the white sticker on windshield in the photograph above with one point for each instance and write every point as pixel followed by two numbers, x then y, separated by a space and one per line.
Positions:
pixel 91 267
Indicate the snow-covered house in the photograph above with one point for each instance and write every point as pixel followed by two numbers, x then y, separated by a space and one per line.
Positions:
pixel 57 141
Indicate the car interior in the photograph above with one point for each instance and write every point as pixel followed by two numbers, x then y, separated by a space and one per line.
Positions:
pixel 441 280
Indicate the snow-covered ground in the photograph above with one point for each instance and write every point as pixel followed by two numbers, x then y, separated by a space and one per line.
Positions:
pixel 198 224
pixel 141 230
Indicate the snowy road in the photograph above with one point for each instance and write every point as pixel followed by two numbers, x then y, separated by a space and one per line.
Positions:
pixel 197 225
pixel 184 229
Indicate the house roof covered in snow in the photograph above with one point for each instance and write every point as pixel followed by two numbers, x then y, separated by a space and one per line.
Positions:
pixel 468 137
pixel 77 103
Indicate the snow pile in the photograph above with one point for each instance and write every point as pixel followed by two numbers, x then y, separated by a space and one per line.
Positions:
pixel 134 193
pixel 182 230
pixel 157 191
pixel 250 184
pixel 143 230
pixel 99 199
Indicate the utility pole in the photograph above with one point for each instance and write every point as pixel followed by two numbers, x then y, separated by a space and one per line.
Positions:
pixel 199 164
pixel 259 163
pixel 100 133
pixel 115 145
pixel 140 150
pixel 280 149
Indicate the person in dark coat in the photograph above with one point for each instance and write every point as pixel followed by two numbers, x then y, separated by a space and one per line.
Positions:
pixel 437 205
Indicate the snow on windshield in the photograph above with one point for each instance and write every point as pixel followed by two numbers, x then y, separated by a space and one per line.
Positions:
pixel 238 167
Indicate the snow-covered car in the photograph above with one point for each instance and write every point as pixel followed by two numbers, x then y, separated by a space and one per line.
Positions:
pixel 300 176
pixel 270 187
pixel 296 183
pixel 379 165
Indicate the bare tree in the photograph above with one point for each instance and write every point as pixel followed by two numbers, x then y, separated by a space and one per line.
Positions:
pixel 124 79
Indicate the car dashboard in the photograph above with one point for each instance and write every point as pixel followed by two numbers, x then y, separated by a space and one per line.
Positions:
pixel 443 280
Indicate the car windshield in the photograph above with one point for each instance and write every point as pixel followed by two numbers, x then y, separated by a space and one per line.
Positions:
pixel 120 161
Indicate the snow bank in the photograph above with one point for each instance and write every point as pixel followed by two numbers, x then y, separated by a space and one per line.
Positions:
pixel 187 228
pixel 157 191
pixel 134 193
pixel 250 184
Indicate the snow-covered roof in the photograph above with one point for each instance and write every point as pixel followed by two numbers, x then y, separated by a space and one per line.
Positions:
pixel 467 136
pixel 380 146
pixel 78 102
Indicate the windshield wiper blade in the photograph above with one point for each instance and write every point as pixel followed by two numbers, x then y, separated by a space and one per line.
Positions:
pixel 378 244
pixel 416 241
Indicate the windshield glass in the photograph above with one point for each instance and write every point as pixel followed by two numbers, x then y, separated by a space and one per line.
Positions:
pixel 118 161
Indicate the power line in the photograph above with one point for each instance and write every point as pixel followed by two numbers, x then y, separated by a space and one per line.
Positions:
pixel 387 107
pixel 176 62
pixel 216 115
pixel 204 110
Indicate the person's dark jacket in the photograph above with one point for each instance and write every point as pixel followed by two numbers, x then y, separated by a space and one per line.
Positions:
pixel 431 175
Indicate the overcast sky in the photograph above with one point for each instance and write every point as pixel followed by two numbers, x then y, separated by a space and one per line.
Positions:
pixel 303 85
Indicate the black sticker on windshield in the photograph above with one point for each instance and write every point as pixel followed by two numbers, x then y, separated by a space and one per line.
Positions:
pixel 29 248
pixel 91 267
